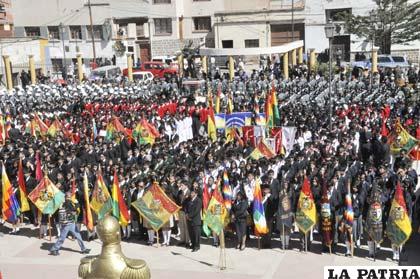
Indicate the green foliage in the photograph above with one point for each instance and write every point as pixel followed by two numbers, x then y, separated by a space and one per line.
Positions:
pixel 391 22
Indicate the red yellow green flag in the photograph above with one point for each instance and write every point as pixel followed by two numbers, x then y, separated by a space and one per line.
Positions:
pixel 306 211
pixel 22 188
pixel 101 201
pixel 47 197
pixel 88 213
pixel 398 226
pixel 119 208
pixel 155 206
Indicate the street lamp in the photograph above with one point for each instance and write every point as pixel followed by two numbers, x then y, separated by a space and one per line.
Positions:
pixel 329 33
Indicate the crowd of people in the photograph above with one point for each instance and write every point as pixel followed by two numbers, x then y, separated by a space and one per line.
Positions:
pixel 330 150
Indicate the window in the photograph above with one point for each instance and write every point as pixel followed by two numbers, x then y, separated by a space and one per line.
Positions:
pixel 202 23
pixel 227 43
pixel 334 14
pixel 75 32
pixel 32 32
pixel 54 32
pixel 252 43
pixel 398 59
pixel 97 32
pixel 163 26
pixel 161 1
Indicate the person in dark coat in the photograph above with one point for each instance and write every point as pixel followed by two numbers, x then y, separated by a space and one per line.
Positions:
pixel 194 220
pixel 239 214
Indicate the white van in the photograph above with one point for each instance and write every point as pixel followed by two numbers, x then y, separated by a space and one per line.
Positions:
pixel 108 72
pixel 143 76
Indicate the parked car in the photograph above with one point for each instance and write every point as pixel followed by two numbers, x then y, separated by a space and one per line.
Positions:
pixel 165 59
pixel 108 72
pixel 158 69
pixel 143 76
pixel 384 61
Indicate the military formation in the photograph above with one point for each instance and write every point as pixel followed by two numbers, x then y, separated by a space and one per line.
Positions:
pixel 345 155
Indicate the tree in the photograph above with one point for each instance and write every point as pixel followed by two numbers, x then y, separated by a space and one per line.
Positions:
pixel 391 22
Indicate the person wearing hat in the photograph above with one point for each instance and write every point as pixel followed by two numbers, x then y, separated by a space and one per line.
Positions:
pixel 193 216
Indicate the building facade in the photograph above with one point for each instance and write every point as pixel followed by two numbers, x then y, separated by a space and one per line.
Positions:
pixel 6 19
pixel 149 28
pixel 142 28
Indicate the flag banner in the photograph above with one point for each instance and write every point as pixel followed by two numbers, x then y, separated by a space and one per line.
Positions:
pixel 220 120
pixel 374 224
pixel 288 138
pixel 398 225
pixel 216 214
pixel 101 201
pixel 119 208
pixel 306 210
pixel 401 140
pixel 326 218
pixel 10 207
pixel 156 207
pixel 227 191
pixel 22 189
pixel 47 197
pixel 258 213
pixel 88 219
pixel 238 119
pixel 285 210
pixel 211 125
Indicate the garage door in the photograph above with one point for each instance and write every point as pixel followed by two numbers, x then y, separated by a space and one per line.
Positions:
pixel 282 33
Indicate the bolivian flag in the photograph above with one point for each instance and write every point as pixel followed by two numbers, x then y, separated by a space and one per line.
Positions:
pixel 101 201
pixel 211 125
pixel 398 226
pixel 216 213
pixel 155 206
pixel 22 188
pixel 306 211
pixel 119 208
pixel 10 207
pixel 88 213
pixel 400 140
pixel 47 197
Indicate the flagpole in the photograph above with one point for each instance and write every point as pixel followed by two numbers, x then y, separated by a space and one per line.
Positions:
pixel 329 247
pixel 222 256
pixel 259 242
pixel 374 251
pixel 49 225
pixel 39 223
pixel 284 239
pixel 306 242
pixel 157 241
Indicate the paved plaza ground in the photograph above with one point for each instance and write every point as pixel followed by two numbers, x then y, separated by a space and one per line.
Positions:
pixel 26 256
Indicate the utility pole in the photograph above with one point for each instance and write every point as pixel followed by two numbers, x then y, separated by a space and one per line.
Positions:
pixel 293 20
pixel 89 5
pixel 64 69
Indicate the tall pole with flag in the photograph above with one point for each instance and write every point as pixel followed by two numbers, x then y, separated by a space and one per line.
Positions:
pixel 88 212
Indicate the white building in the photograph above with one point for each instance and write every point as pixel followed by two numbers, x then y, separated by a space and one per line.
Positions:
pixel 143 28
pixel 148 28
